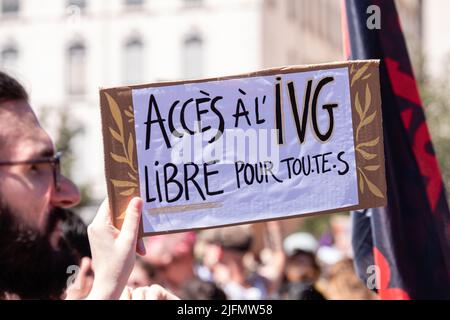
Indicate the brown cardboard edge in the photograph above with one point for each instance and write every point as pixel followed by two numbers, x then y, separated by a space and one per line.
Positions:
pixel 301 215
pixel 381 151
pixel 264 72
pixel 115 211
pixel 376 126
pixel 107 168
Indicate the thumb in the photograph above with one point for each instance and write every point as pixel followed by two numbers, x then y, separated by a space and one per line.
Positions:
pixel 85 266
pixel 126 294
pixel 103 216
pixel 140 247
pixel 130 226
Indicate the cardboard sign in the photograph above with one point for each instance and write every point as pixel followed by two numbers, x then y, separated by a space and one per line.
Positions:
pixel 273 144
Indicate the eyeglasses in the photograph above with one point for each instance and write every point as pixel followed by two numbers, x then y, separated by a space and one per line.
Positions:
pixel 53 161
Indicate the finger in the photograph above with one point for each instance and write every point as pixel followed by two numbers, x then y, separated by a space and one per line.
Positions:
pixel 130 227
pixel 170 296
pixel 156 292
pixel 126 294
pixel 139 294
pixel 85 267
pixel 103 215
pixel 140 247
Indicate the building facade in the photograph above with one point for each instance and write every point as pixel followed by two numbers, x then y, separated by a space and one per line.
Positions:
pixel 305 31
pixel 65 50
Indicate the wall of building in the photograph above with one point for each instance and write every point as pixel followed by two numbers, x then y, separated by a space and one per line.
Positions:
pixel 43 31
pixel 301 32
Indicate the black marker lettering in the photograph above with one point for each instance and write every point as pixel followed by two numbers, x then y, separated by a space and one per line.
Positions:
pixel 328 107
pixel 152 104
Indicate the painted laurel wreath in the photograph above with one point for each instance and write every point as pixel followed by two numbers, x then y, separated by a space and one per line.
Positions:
pixel 365 118
pixel 126 158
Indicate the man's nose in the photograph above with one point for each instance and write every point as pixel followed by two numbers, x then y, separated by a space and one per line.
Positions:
pixel 67 196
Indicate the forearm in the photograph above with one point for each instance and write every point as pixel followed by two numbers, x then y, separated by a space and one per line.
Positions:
pixel 104 290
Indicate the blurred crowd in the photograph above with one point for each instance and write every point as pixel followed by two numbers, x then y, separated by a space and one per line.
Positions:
pixel 249 262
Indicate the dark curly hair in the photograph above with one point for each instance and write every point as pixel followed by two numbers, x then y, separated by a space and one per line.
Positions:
pixel 11 89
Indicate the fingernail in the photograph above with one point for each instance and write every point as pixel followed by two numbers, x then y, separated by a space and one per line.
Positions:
pixel 141 246
pixel 136 203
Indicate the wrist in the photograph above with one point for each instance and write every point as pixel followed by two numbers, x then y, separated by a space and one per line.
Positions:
pixel 102 289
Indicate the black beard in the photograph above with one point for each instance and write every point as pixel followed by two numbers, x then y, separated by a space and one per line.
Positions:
pixel 29 266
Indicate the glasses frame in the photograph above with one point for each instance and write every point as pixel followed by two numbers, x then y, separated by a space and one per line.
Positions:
pixel 54 160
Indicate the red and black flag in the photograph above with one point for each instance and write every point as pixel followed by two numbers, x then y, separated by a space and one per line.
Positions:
pixel 409 239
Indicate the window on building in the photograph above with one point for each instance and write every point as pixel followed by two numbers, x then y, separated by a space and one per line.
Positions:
pixel 315 15
pixel 271 4
pixel 326 18
pixel 9 58
pixel 193 57
pixel 292 10
pixel 76 73
pixel 134 60
pixel 134 2
pixel 305 14
pixel 192 3
pixel 10 7
pixel 80 4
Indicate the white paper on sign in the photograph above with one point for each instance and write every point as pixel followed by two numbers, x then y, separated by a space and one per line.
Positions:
pixel 254 177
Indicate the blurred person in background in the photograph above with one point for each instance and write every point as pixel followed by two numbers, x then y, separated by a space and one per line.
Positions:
pixel 197 289
pixel 172 257
pixel 226 256
pixel 143 274
pixel 340 228
pixel 338 235
pixel 342 283
pixel 271 257
pixel 74 232
pixel 327 257
pixel 302 270
pixel 335 246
